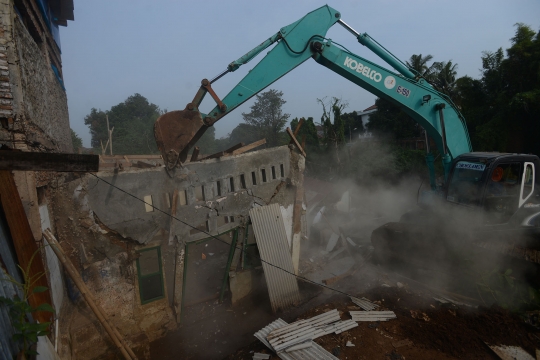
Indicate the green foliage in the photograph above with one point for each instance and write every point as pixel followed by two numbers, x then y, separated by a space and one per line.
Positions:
pixel 390 120
pixel 502 108
pixel 75 140
pixel 133 121
pixel 353 125
pixel 26 331
pixel 266 118
pixel 332 122
pixel 307 131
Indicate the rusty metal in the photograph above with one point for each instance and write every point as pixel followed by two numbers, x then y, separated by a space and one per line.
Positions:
pixel 176 132
pixel 206 84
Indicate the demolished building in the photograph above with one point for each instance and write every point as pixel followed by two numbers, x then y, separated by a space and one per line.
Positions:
pixel 148 245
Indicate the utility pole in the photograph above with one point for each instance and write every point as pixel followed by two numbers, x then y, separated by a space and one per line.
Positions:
pixel 110 133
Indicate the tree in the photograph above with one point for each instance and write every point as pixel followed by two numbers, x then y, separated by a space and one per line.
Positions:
pixel 307 131
pixel 133 121
pixel 353 125
pixel 267 117
pixel 334 131
pixel 390 120
pixel 419 64
pixel 76 140
pixel 502 108
pixel 443 78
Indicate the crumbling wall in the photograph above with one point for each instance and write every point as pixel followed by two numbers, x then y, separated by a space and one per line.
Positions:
pixel 102 228
pixel 33 103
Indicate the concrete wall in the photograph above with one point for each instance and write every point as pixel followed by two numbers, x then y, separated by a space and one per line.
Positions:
pixel 102 227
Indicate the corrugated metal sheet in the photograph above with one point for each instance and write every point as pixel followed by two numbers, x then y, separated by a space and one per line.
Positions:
pixel 372 315
pixel 302 330
pixel 271 239
pixel 314 352
pixel 364 303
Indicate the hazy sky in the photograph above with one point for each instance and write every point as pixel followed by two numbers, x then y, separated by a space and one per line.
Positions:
pixel 163 49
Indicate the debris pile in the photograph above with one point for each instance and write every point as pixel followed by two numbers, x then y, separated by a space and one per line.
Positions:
pixel 295 340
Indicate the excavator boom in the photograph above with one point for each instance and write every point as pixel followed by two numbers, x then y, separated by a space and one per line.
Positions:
pixel 176 132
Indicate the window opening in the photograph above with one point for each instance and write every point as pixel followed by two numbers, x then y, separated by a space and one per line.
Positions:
pixel 242 181
pixel 203 227
pixel 148 203
pixel 231 184
pixel 218 183
pixel 502 192
pixel 282 170
pixel 263 173
pixel 199 193
pixel 527 183
pixel 150 275
pixel 273 172
pixel 182 196
pixel 253 178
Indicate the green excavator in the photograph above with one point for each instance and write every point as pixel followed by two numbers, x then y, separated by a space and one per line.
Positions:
pixel 488 199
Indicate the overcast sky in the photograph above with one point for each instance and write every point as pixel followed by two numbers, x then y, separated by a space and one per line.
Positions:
pixel 163 49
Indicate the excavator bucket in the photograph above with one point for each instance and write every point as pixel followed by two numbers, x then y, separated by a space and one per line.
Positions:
pixel 176 132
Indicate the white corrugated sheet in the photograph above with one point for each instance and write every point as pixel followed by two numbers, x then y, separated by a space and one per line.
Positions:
pixel 314 352
pixel 271 239
pixel 372 315
pixel 364 303
pixel 302 330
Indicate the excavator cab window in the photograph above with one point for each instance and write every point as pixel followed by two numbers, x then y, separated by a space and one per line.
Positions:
pixel 502 194
pixel 466 184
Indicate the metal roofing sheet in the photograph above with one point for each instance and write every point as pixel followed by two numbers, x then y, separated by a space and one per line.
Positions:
pixel 314 352
pixel 302 330
pixel 273 246
pixel 364 303
pixel 372 315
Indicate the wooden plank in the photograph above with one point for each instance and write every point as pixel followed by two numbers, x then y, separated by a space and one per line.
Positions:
pixel 33 161
pixel 23 241
pixel 195 154
pixel 213 156
pixel 233 148
pixel 293 138
pixel 249 147
pixel 297 129
pixel 89 297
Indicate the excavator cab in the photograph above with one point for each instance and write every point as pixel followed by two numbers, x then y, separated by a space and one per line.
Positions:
pixel 491 202
pixel 501 186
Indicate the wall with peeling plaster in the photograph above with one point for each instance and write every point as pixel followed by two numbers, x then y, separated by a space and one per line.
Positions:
pixel 101 228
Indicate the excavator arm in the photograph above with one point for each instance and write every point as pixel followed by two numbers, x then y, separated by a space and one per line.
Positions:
pixel 176 132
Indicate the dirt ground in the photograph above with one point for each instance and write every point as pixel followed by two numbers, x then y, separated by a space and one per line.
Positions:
pixel 424 329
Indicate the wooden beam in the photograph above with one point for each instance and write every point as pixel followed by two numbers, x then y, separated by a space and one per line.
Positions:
pixel 297 129
pixel 213 156
pixel 249 147
pixel 23 241
pixel 34 161
pixel 117 338
pixel 195 154
pixel 293 138
pixel 235 147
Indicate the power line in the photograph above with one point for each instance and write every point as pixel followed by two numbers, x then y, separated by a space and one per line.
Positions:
pixel 214 237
